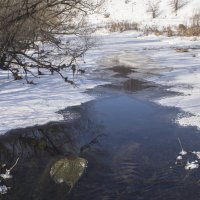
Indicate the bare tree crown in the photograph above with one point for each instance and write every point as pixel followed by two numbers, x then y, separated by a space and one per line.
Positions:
pixel 30 34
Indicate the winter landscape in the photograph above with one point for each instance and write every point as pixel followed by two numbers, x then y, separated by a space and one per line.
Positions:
pixel 100 99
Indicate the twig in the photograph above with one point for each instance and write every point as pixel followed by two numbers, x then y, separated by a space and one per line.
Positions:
pixel 180 143
pixel 14 164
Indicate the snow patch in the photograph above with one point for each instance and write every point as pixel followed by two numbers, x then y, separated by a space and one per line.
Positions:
pixel 192 165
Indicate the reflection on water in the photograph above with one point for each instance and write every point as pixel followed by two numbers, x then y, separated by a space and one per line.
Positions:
pixel 131 85
pixel 122 70
pixel 121 81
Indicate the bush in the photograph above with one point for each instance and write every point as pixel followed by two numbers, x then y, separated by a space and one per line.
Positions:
pixel 193 29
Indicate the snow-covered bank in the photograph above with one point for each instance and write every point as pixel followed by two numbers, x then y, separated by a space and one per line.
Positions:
pixel 23 105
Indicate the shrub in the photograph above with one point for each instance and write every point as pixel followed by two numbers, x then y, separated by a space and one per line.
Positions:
pixel 193 29
pixel 181 29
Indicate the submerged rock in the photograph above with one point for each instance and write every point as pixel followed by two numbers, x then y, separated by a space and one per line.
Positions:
pixel 68 170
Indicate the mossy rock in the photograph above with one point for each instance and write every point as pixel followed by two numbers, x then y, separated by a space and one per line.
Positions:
pixel 68 170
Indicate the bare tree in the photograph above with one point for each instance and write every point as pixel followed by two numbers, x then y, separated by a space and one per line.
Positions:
pixel 153 8
pixel 195 19
pixel 32 35
pixel 177 4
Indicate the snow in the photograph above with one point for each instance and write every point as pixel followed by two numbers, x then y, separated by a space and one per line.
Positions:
pixel 183 153
pixel 197 153
pixel 183 77
pixel 179 158
pixel 23 105
pixel 137 11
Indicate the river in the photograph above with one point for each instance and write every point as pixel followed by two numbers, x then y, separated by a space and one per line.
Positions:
pixel 130 143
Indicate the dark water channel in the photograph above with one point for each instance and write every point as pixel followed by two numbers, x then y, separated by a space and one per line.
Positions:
pixel 130 144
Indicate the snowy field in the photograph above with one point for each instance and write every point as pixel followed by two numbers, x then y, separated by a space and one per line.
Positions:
pixel 138 11
pixel 157 58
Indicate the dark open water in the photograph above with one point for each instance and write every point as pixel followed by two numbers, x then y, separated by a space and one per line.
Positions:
pixel 130 144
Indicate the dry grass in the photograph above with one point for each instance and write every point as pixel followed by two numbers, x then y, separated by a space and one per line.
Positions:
pixel 193 29
pixel 188 31
pixel 155 30
pixel 181 30
pixel 151 29
pixel 122 26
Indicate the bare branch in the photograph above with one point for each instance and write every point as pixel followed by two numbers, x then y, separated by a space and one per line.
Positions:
pixel 27 26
